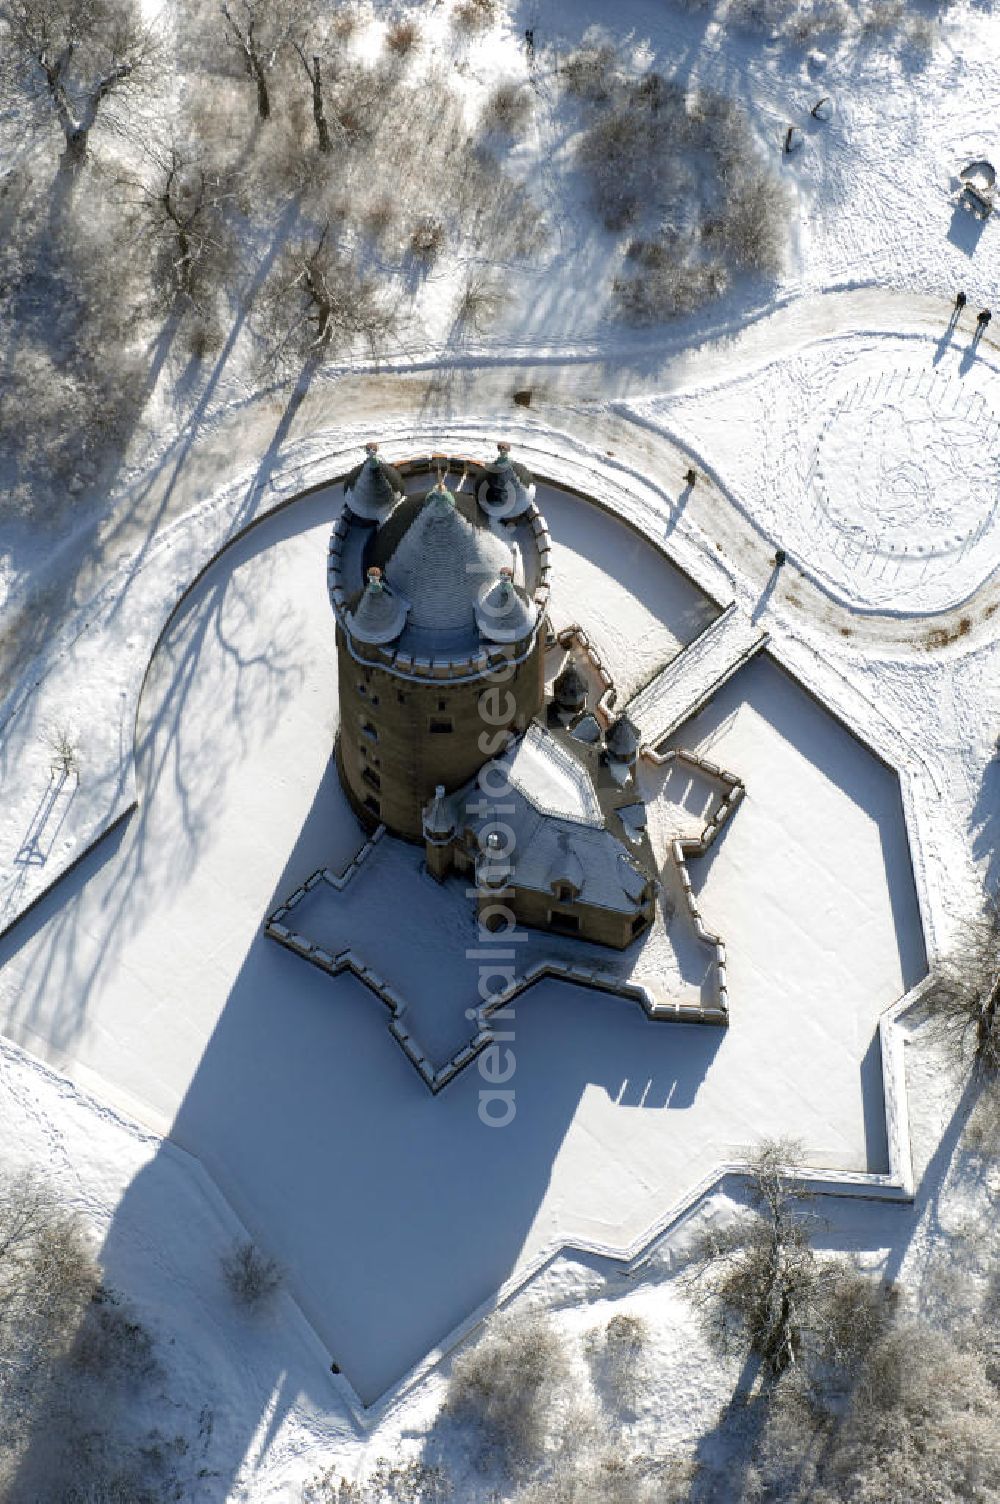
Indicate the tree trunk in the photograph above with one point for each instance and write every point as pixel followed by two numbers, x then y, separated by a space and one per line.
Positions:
pixel 319 115
pixel 184 262
pixel 76 146
pixel 263 98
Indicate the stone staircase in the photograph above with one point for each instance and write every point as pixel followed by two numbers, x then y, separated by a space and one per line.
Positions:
pixel 691 679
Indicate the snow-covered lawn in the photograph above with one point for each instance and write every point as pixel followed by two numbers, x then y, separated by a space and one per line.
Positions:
pixel 872 459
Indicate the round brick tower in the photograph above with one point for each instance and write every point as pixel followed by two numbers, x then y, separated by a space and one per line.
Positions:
pixel 440 601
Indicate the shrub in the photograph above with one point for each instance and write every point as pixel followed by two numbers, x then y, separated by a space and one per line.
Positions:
pixel 481 302
pixel 620 1353
pixel 592 73
pixel 112 1343
pixel 612 1477
pixel 377 218
pixel 251 1276
pixel 506 1383
pixel 682 168
pixel 475 15
pixel 409 1483
pixel 669 288
pixel 402 37
pixel 507 109
pixel 427 238
pixel 345 22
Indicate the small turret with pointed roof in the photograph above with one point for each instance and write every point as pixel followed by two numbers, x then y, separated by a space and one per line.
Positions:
pixel 622 741
pixel 373 490
pixel 379 616
pixel 570 690
pixel 505 488
pixel 502 613
pixel 439 818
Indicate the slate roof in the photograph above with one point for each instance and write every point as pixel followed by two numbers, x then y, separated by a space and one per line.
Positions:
pixel 504 487
pixel 559 830
pixel 503 614
pixel 440 564
pixel 378 616
pixel 373 489
pixel 553 780
pixel 570 688
pixel 622 740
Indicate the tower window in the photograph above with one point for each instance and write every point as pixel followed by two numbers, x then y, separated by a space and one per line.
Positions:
pixel 374 699
pixel 371 778
pixel 362 689
pixel 442 704
pixel 400 697
pixel 372 803
pixel 370 731
pixel 441 723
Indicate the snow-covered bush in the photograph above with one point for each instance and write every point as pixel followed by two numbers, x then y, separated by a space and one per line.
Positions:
pixel 251 1276
pixel 683 169
pixel 476 15
pixel 427 238
pixel 963 998
pixel 506 1385
pixel 592 72
pixel 672 281
pixel 402 37
pixel 112 1342
pixel 391 1483
pixel 617 1356
pixel 507 109
pixel 480 302
pixel 612 1477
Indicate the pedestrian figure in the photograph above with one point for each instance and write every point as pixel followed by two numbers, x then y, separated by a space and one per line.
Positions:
pixel 779 557
pixel 960 301
pixel 529 43
pixel 984 317
pixel 690 476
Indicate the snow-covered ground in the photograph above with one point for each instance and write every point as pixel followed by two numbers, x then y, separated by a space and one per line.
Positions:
pixel 146 975
pixel 840 422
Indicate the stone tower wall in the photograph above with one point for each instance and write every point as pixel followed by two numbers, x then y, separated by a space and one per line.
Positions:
pixel 395 745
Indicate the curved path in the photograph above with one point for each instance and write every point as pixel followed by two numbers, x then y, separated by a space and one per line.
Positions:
pixel 584 392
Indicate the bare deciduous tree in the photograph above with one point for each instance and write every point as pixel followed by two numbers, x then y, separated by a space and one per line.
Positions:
pixel 762 1288
pixel 316 300
pixel 252 1276
pixel 181 207
pixel 78 53
pixel 963 999
pixel 757 1277
pixel 259 30
pixel 314 73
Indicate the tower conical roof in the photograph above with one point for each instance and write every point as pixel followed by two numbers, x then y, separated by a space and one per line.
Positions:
pixel 439 816
pixel 505 489
pixel 374 488
pixel 622 740
pixel 440 563
pixel 502 613
pixel 379 615
pixel 570 688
